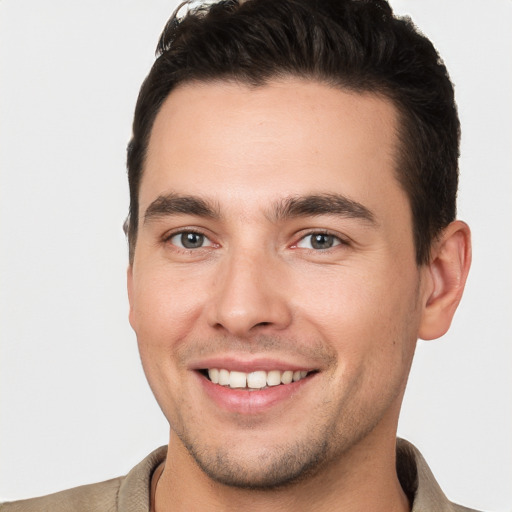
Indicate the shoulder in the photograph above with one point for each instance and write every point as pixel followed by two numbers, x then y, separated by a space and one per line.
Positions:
pixel 86 498
pixel 419 483
pixel 130 492
pixel 460 508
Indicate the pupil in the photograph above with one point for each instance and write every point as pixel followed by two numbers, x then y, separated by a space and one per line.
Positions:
pixel 321 241
pixel 192 240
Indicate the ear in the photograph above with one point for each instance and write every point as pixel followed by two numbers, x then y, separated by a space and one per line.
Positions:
pixel 446 276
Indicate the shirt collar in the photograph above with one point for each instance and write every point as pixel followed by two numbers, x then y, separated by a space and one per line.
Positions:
pixel 415 476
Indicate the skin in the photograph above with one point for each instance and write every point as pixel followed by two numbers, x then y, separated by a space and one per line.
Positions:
pixel 258 292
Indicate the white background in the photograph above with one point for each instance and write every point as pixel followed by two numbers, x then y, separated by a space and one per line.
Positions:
pixel 75 407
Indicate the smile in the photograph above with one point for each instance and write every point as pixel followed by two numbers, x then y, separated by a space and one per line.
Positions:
pixel 254 380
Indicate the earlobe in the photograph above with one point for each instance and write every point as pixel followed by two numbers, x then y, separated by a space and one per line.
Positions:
pixel 447 273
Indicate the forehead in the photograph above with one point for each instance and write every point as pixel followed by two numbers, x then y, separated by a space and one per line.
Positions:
pixel 230 141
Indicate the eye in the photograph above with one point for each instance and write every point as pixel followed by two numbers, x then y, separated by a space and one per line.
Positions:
pixel 318 241
pixel 190 240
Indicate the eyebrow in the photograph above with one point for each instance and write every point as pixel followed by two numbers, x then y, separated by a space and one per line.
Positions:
pixel 320 204
pixel 286 208
pixel 176 204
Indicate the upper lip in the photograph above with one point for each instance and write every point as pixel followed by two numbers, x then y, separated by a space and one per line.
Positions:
pixel 232 363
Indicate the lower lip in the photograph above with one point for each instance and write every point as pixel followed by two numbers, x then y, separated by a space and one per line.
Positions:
pixel 243 401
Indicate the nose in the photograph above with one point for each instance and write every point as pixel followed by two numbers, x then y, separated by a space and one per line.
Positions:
pixel 250 296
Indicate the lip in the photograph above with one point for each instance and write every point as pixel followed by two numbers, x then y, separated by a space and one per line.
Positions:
pixel 259 401
pixel 249 365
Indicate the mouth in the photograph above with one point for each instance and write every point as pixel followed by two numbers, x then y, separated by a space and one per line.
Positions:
pixel 253 387
pixel 256 380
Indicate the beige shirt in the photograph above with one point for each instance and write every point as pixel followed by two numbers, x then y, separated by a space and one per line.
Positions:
pixel 131 493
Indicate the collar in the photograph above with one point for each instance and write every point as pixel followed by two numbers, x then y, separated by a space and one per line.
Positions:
pixel 415 476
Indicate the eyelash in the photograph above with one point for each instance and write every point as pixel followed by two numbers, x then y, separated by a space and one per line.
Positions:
pixel 168 237
pixel 338 240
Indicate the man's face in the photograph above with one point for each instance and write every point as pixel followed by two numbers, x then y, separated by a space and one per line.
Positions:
pixel 274 238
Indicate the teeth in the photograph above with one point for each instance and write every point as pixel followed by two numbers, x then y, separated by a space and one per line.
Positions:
pixel 214 375
pixel 274 378
pixel 299 375
pixel 254 380
pixel 237 379
pixel 287 377
pixel 223 377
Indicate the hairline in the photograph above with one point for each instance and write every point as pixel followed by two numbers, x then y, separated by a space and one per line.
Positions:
pixel 403 120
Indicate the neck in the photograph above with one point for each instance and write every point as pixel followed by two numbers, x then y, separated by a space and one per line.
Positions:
pixel 363 479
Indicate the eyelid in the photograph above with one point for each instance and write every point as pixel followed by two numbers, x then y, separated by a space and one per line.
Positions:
pixel 170 235
pixel 341 240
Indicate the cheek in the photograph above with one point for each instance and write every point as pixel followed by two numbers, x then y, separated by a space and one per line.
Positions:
pixel 164 310
pixel 371 325
pixel 362 314
pixel 165 307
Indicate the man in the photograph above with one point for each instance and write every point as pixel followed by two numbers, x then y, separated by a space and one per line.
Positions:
pixel 292 232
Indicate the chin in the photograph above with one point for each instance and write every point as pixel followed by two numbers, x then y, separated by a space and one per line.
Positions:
pixel 270 468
